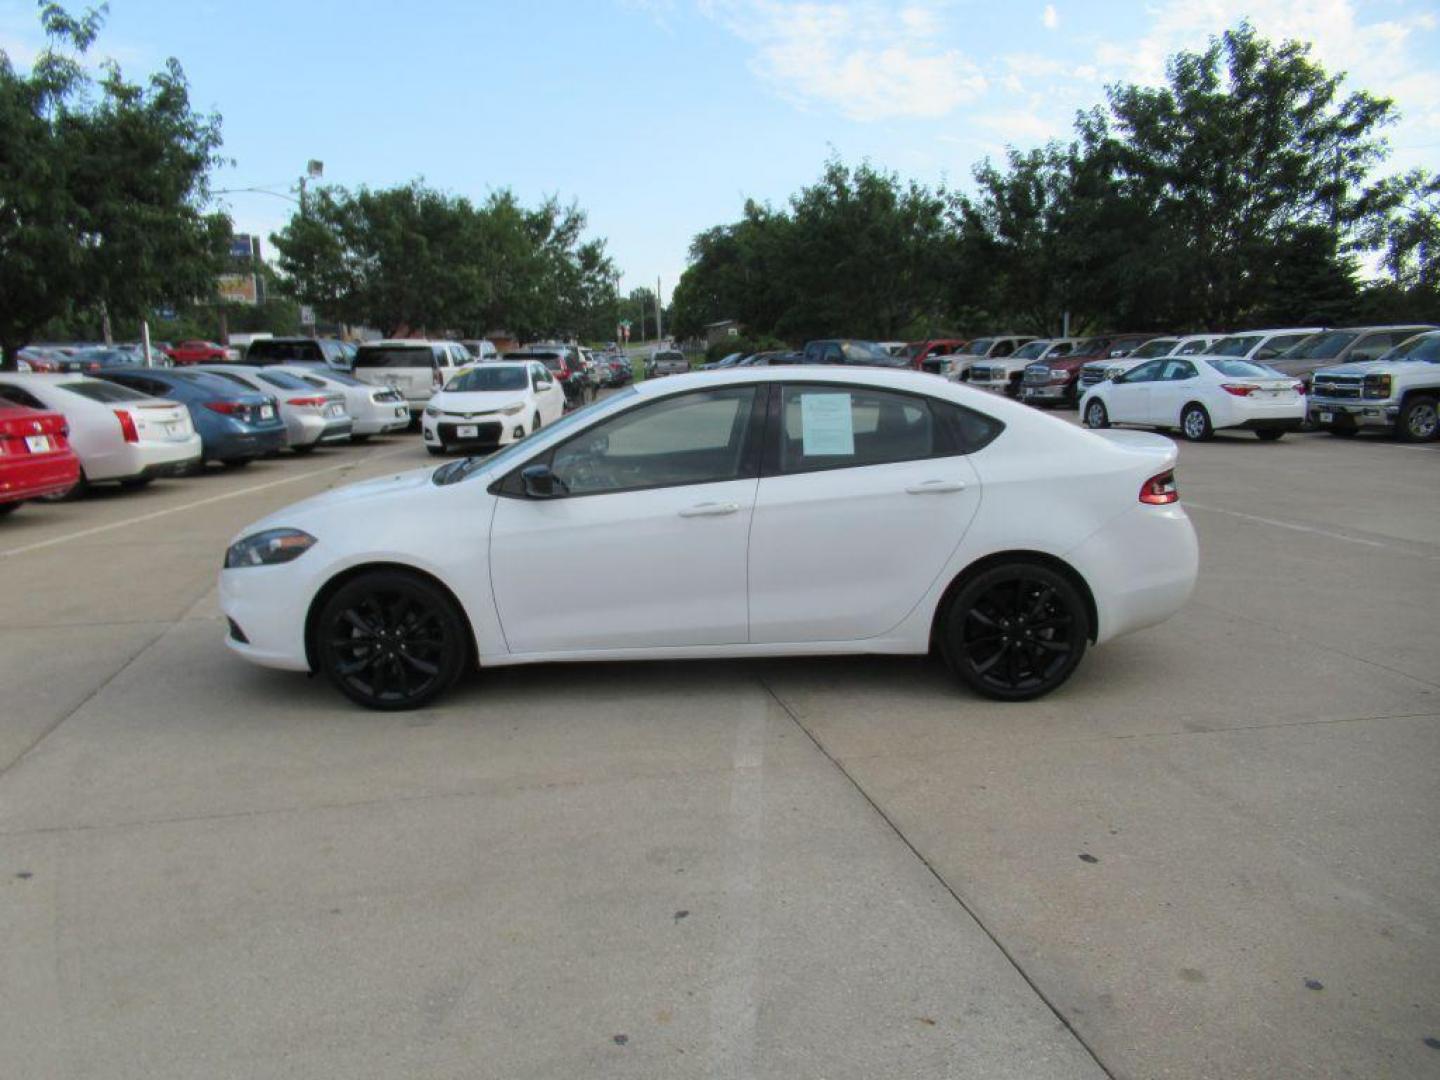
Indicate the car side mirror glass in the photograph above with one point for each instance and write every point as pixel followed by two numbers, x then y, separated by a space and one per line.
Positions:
pixel 541 483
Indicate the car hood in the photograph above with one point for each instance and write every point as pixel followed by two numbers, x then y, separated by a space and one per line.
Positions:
pixel 477 401
pixel 364 495
pixel 1362 367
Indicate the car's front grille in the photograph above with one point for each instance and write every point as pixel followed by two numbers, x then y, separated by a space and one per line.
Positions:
pixel 1091 376
pixel 1037 375
pixel 980 374
pixel 484 433
pixel 1335 386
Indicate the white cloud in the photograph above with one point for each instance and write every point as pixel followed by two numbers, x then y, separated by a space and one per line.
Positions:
pixel 1019 127
pixel 1050 17
pixel 868 60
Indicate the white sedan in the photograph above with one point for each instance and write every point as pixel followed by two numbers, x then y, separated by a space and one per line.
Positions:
pixel 490 405
pixel 753 512
pixel 119 434
pixel 375 410
pixel 311 416
pixel 1198 395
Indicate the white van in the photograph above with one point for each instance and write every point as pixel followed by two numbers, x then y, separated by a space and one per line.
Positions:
pixel 415 368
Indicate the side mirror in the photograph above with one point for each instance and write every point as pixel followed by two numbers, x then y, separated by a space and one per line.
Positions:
pixel 541 483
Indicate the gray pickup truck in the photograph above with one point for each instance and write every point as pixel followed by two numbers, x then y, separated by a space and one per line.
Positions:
pixel 668 362
pixel 1398 392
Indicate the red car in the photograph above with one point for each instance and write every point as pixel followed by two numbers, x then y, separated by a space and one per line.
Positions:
pixel 198 352
pixel 1057 381
pixel 930 355
pixel 35 455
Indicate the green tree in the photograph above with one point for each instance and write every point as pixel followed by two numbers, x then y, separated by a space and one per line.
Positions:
pixel 103 188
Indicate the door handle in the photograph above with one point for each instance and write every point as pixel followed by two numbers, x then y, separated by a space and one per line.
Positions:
pixel 710 509
pixel 935 487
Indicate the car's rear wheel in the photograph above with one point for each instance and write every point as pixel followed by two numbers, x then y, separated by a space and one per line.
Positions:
pixel 359 438
pixel 1419 419
pixel 1270 434
pixel 1016 631
pixel 304 449
pixel 78 491
pixel 1346 432
pixel 1095 414
pixel 1195 423
pixel 236 462
pixel 390 640
pixel 136 482
pixel 435 451
pixel 8 508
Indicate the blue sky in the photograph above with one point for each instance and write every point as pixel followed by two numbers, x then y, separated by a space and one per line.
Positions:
pixel 660 117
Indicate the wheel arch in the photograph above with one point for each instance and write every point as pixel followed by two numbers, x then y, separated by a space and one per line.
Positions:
pixel 1040 558
pixel 350 573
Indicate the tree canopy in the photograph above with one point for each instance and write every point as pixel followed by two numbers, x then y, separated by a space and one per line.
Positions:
pixel 104 188
pixel 1245 190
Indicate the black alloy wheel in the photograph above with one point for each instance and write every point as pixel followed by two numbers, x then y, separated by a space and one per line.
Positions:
pixel 1270 434
pixel 1016 631
pixel 389 640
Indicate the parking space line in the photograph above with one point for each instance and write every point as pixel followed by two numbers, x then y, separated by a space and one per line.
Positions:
pixel 141 519
pixel 1297 527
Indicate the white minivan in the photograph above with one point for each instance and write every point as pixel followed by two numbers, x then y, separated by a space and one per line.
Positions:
pixel 417 369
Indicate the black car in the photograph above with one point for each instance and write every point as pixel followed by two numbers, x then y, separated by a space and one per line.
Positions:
pixel 852 352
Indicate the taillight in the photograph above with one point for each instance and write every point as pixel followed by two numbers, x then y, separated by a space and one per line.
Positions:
pixel 307 402
pixel 225 408
pixel 1299 388
pixel 1238 389
pixel 127 425
pixel 1160 490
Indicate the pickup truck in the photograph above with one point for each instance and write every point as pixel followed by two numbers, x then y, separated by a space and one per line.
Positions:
pixel 1002 374
pixel 1398 392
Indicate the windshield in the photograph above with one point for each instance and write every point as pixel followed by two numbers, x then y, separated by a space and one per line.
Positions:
pixel 1032 351
pixel 1322 346
pixel 1155 347
pixel 397 356
pixel 1239 345
pixel 455 471
pixel 1240 369
pixel 489 377
pixel 981 347
pixel 1426 347
pixel 914 349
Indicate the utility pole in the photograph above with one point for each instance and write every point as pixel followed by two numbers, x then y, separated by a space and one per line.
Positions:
pixel 659 330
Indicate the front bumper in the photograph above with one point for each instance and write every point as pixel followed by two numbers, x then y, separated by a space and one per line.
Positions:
pixel 1045 392
pixel 490 431
pixel 1354 413
pixel 269 605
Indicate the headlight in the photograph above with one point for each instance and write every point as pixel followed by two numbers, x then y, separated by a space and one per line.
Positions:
pixel 1058 375
pixel 1377 386
pixel 1111 372
pixel 268 548
pixel 431 411
pixel 511 410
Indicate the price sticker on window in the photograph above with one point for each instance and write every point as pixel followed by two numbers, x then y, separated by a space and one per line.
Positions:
pixel 827 426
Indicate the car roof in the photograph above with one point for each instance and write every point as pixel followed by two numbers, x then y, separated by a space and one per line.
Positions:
pixel 418 343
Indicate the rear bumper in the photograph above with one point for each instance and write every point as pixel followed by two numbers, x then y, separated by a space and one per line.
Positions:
pixel 143 460
pixel 1141 568
pixel 244 445
pixel 35 475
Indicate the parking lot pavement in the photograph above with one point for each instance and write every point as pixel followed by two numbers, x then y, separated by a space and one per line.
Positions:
pixel 1211 854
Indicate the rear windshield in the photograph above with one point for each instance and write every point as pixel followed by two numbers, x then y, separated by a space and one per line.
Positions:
pixel 670 357
pixel 1240 369
pixel 103 391
pixel 1154 347
pixel 489 377
pixel 1239 345
pixel 1322 346
pixel 395 356
pixel 281 351
pixel 283 380
pixel 338 377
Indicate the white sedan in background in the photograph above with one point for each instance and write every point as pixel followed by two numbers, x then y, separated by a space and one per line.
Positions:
pixel 773 511
pixel 492 405
pixel 119 434
pixel 1198 395
pixel 311 416
pixel 374 410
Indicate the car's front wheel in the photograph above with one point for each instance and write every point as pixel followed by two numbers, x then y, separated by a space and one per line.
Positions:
pixel 390 640
pixel 1095 414
pixel 1015 631
pixel 1419 420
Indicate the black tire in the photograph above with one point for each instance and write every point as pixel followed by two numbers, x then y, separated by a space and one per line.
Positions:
pixel 1096 415
pixel 1419 419
pixel 1270 434
pixel 1195 423
pixel 304 449
pixel 236 462
pixel 7 508
pixel 389 640
pixel 77 492
pixel 136 482
pixel 435 451
pixel 1015 632
pixel 1339 432
pixel 359 439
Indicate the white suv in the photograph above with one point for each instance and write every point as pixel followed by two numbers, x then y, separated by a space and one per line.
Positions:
pixel 415 368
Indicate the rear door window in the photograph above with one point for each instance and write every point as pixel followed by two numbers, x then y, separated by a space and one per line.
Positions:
pixel 836 427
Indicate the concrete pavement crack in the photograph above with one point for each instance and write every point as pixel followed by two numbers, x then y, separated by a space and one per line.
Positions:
pixel 940 878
